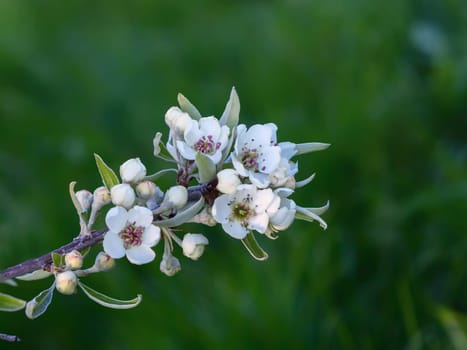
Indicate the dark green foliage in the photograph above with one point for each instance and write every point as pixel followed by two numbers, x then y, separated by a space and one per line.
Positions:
pixel 384 81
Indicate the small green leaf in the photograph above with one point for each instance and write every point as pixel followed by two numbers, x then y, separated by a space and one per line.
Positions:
pixel 160 151
pixel 308 147
pixel 232 111
pixel 305 182
pixel 188 107
pixel 253 247
pixel 75 201
pixel 107 301
pixel 57 259
pixel 182 216
pixel 206 168
pixel 226 151
pixel 107 174
pixel 10 282
pixel 40 303
pixel 85 251
pixel 455 325
pixel 36 275
pixel 160 173
pixel 310 215
pixel 10 303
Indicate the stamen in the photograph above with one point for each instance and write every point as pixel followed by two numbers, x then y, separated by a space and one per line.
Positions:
pixel 132 235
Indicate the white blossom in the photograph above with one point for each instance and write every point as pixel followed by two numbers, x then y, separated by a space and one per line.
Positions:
pixel 131 233
pixel 177 120
pixel 73 260
pixel 193 245
pixel 101 197
pixel 66 282
pixel 84 198
pixel 256 153
pixel 248 208
pixel 123 195
pixel 132 171
pixel 169 265
pixel 146 189
pixel 205 136
pixel 227 181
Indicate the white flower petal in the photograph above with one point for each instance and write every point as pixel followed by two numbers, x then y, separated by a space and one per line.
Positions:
pixel 259 180
pixel 258 134
pixel 186 151
pixel 210 126
pixel 216 157
pixel 140 255
pixel 113 245
pixel 116 219
pixel 239 166
pixel 235 229
pixel 224 136
pixel 241 134
pixel 221 210
pixel 259 222
pixel 263 199
pixel 288 149
pixel 151 235
pixel 192 133
pixel 141 216
pixel 269 159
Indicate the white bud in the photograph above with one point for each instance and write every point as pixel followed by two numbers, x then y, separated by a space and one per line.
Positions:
pixel 104 262
pixel 84 198
pixel 177 120
pixel 170 265
pixel 228 181
pixel 146 189
pixel 132 171
pixel 123 195
pixel 176 196
pixel 73 260
pixel 193 245
pixel 66 282
pixel 101 197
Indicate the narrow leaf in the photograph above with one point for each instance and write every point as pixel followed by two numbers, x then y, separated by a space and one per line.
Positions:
pixel 10 282
pixel 188 107
pixel 253 247
pixel 107 174
pixel 57 259
pixel 40 303
pixel 232 111
pixel 305 182
pixel 36 275
pixel 226 151
pixel 307 215
pixel 10 303
pixel 107 301
pixel 160 151
pixel 455 325
pixel 75 201
pixel 308 147
pixel 182 216
pixel 206 168
pixel 160 173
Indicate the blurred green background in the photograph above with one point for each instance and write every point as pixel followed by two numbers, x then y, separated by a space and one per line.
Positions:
pixel 384 82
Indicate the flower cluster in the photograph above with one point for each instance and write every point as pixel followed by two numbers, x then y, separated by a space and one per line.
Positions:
pixel 227 173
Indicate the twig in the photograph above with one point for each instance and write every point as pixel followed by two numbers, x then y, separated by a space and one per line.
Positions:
pixel 8 337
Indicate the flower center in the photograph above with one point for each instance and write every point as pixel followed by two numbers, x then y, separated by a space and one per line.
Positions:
pixel 242 212
pixel 250 159
pixel 132 235
pixel 206 145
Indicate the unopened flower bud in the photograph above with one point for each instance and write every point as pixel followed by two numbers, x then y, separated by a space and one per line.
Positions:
pixel 101 197
pixel 104 262
pixel 123 195
pixel 66 282
pixel 176 196
pixel 132 171
pixel 73 260
pixel 193 245
pixel 84 198
pixel 177 120
pixel 228 181
pixel 170 265
pixel 146 189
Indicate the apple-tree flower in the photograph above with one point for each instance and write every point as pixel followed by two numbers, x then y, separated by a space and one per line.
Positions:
pixel 131 233
pixel 204 136
pixel 248 208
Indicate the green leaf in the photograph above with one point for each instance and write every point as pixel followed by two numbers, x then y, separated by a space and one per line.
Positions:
pixel 455 325
pixel 182 216
pixel 226 151
pixel 160 151
pixel 160 173
pixel 107 174
pixel 232 111
pixel 253 247
pixel 75 201
pixel 206 168
pixel 305 182
pixel 308 147
pixel 57 259
pixel 107 301
pixel 188 107
pixel 309 214
pixel 36 275
pixel 10 303
pixel 40 303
